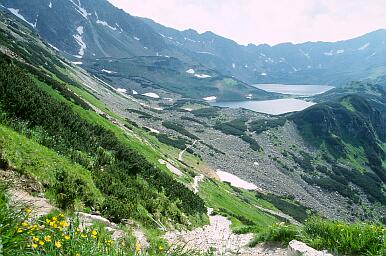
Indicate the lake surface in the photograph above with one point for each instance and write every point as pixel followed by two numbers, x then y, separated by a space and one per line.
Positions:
pixel 279 106
pixel 299 90
pixel 272 107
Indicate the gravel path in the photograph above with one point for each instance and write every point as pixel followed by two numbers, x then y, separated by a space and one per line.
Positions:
pixel 183 151
pixel 218 236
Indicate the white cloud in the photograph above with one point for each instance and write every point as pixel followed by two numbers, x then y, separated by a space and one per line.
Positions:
pixel 266 21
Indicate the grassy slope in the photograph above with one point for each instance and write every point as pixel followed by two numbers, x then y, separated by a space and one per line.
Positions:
pixel 31 158
pixel 221 196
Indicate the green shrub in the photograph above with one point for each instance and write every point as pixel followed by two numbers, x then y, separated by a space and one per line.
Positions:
pixel 206 112
pixel 262 125
pixel 344 238
pixel 179 128
pixel 338 237
pixel 279 232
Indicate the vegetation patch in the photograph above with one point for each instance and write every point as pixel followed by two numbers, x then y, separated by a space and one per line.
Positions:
pixel 210 112
pixel 287 205
pixel 179 143
pixel 337 237
pixel 179 128
pixel 262 125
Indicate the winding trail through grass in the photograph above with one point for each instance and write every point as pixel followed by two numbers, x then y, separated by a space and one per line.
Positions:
pixel 183 151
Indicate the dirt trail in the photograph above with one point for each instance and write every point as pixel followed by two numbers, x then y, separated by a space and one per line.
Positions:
pixel 39 205
pixel 183 151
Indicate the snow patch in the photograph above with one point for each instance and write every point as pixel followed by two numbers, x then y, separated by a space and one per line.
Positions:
pixel 108 71
pixel 190 71
pixel 50 5
pixel 152 130
pixel 263 74
pixel 53 47
pixel 210 98
pixel 17 14
pixel 80 9
pixel 206 53
pixel 363 47
pixel 188 109
pixel 202 76
pixel 121 90
pixel 104 23
pixel 151 95
pixel 171 167
pixel 135 92
pixel 136 38
pixel 330 53
pixel 233 65
pixel 81 43
pixel 235 181
pixel 77 62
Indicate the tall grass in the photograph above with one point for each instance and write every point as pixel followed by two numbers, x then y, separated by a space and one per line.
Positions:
pixel 345 238
pixel 337 237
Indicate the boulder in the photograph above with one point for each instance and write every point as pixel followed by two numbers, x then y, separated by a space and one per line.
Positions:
pixel 297 248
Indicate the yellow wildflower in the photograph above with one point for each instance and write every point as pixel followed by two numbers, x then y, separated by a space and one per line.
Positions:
pixel 61 215
pixel 34 245
pixel 83 235
pixel 123 243
pixel 24 224
pixel 94 232
pixel 54 218
pixel 35 239
pixel 66 237
pixel 28 210
pixel 63 224
pixel 160 248
pixel 19 230
pixel 58 244
pixel 137 246
pixel 41 243
pixel 47 238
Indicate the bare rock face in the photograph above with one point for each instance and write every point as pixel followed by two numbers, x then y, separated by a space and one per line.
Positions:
pixel 296 248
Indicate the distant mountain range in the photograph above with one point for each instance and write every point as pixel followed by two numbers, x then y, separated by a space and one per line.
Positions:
pixel 90 29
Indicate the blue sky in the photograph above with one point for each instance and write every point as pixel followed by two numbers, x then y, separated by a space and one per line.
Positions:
pixel 266 21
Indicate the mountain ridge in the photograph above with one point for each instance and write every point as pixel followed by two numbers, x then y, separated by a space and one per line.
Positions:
pixel 92 29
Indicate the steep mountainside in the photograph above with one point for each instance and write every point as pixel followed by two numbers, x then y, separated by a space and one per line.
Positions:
pixel 88 160
pixel 86 29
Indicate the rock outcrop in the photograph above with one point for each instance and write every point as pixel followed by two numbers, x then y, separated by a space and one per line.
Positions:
pixel 297 248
